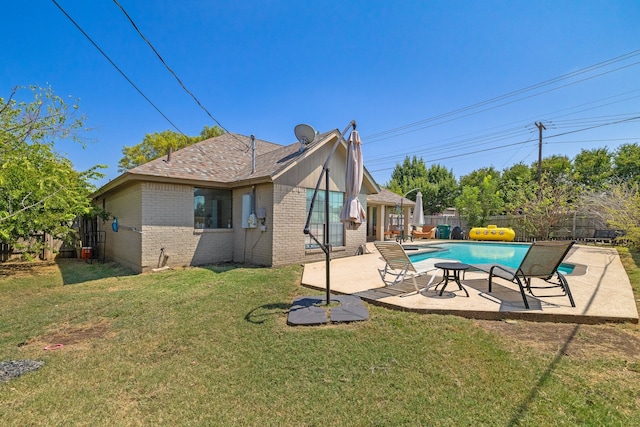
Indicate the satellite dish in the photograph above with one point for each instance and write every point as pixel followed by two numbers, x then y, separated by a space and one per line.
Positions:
pixel 305 133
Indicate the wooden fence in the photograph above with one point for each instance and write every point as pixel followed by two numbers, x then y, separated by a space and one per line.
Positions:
pixel 574 227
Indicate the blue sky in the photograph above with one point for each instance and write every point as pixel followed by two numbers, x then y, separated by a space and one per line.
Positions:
pixel 424 78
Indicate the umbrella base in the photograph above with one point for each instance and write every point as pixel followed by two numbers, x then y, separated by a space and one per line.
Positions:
pixel 313 310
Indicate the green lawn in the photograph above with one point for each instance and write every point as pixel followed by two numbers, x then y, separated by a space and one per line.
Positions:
pixel 210 346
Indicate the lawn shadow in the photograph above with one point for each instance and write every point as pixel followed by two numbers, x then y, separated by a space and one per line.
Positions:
pixel 224 267
pixel 75 271
pixel 547 375
pixel 259 314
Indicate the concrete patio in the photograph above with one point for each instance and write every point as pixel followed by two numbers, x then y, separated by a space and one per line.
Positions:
pixel 602 291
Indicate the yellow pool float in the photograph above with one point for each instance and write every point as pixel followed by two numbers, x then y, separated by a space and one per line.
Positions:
pixel 492 232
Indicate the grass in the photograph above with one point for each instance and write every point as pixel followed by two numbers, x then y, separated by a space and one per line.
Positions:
pixel 210 346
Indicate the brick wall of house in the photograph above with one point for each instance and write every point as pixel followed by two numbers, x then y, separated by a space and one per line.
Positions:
pixel 157 228
pixel 290 215
pixel 167 211
pixel 125 246
pixel 252 245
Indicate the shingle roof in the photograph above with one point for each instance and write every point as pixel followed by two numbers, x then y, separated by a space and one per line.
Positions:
pixel 226 158
pixel 216 159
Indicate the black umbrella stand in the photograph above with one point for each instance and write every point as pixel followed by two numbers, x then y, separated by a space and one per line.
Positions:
pixel 325 245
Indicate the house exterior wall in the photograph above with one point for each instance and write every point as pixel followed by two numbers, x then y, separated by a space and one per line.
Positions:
pixel 290 207
pixel 290 216
pixel 156 216
pixel 168 222
pixel 289 213
pixel 157 221
pixel 125 246
pixel 306 172
pixel 253 245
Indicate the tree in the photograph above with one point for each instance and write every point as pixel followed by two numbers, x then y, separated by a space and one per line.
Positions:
pixel 627 162
pixel 477 203
pixel 619 208
pixel 209 132
pixel 543 207
pixel 155 145
pixel 592 168
pixel 39 189
pixel 441 190
pixel 514 181
pixel 411 174
pixel 476 178
pixel 469 206
pixel 555 167
pixel 438 184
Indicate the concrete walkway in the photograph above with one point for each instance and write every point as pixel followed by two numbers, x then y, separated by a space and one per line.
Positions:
pixel 602 292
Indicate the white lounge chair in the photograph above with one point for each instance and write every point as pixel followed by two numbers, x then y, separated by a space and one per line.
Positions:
pixel 399 267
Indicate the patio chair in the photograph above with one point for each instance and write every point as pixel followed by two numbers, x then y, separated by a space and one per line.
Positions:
pixel 541 261
pixel 426 232
pixel 603 236
pixel 398 265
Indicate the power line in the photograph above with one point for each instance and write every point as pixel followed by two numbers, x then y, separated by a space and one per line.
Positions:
pixel 511 131
pixel 460 144
pixel 595 126
pixel 579 141
pixel 503 104
pixel 116 67
pixel 485 150
pixel 174 74
pixel 384 134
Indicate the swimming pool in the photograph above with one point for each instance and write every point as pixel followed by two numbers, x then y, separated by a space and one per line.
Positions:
pixel 509 254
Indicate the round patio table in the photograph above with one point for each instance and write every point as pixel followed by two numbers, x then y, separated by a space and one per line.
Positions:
pixel 451 271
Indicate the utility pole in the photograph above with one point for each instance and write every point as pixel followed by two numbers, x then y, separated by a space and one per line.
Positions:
pixel 540 127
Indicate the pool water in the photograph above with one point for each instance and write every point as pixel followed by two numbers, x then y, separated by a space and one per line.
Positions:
pixel 509 254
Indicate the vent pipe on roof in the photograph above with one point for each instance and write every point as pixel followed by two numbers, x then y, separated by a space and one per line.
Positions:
pixel 168 161
pixel 253 154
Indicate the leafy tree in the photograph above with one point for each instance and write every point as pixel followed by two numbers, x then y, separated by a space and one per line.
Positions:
pixel 438 184
pixel 477 203
pixel 543 207
pixel 554 168
pixel 441 190
pixel 514 181
pixel 592 168
pixel 39 189
pixel 209 132
pixel 411 174
pixel 619 208
pixel 627 162
pixel 155 145
pixel 476 178
pixel 469 206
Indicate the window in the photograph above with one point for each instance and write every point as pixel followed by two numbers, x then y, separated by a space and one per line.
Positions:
pixel 212 208
pixel 316 226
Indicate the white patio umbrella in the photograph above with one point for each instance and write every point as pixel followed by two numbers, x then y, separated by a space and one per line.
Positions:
pixel 418 211
pixel 353 213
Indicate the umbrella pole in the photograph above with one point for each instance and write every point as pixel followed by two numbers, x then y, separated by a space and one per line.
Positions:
pixel 327 245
